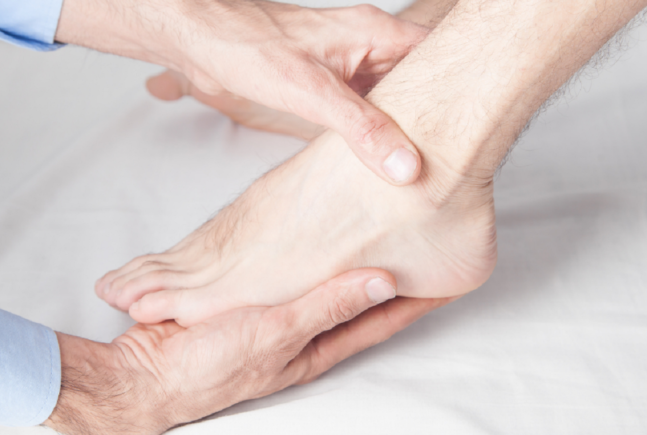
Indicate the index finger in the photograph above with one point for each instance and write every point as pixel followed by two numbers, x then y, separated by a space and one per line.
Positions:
pixel 366 330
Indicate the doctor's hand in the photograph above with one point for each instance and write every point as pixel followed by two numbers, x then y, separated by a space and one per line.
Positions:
pixel 172 85
pixel 298 60
pixel 157 376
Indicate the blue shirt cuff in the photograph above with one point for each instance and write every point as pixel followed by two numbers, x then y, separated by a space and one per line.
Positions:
pixel 30 23
pixel 30 378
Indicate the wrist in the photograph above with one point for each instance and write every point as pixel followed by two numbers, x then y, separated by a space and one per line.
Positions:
pixel 101 392
pixel 130 28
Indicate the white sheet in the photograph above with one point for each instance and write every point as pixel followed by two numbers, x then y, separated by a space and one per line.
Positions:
pixel 95 172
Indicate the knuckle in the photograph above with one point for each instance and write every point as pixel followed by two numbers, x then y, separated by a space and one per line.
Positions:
pixel 369 132
pixel 368 10
pixel 340 310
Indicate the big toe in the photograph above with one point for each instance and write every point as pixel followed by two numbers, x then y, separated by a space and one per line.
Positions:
pixel 186 306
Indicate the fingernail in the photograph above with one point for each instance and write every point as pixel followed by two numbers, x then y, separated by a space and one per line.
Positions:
pixel 400 165
pixel 134 306
pixel 106 288
pixel 379 290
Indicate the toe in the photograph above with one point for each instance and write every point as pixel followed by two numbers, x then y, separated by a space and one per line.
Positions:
pixel 104 284
pixel 151 281
pixel 101 287
pixel 187 307
pixel 157 307
pixel 109 287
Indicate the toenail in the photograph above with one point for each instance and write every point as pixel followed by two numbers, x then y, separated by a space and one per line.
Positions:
pixel 400 165
pixel 379 290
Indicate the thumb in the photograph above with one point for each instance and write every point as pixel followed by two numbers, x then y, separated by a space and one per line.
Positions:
pixel 373 136
pixel 337 301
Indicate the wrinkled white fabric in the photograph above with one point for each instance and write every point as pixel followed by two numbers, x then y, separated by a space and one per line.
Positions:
pixel 95 172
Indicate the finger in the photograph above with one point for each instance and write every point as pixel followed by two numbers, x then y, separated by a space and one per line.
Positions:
pixel 391 42
pixel 168 86
pixel 373 136
pixel 171 86
pixel 335 302
pixel 368 329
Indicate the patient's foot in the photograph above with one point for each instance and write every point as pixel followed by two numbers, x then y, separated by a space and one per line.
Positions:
pixel 318 214
pixel 323 212
pixel 171 86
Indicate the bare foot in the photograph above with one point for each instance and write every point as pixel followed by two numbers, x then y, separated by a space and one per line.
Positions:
pixel 171 86
pixel 463 97
pixel 319 214
pixel 322 212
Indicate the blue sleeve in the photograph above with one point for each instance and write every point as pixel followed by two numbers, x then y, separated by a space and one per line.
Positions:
pixel 30 371
pixel 30 23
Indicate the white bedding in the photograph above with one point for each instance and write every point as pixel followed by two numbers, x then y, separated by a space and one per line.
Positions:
pixel 95 172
